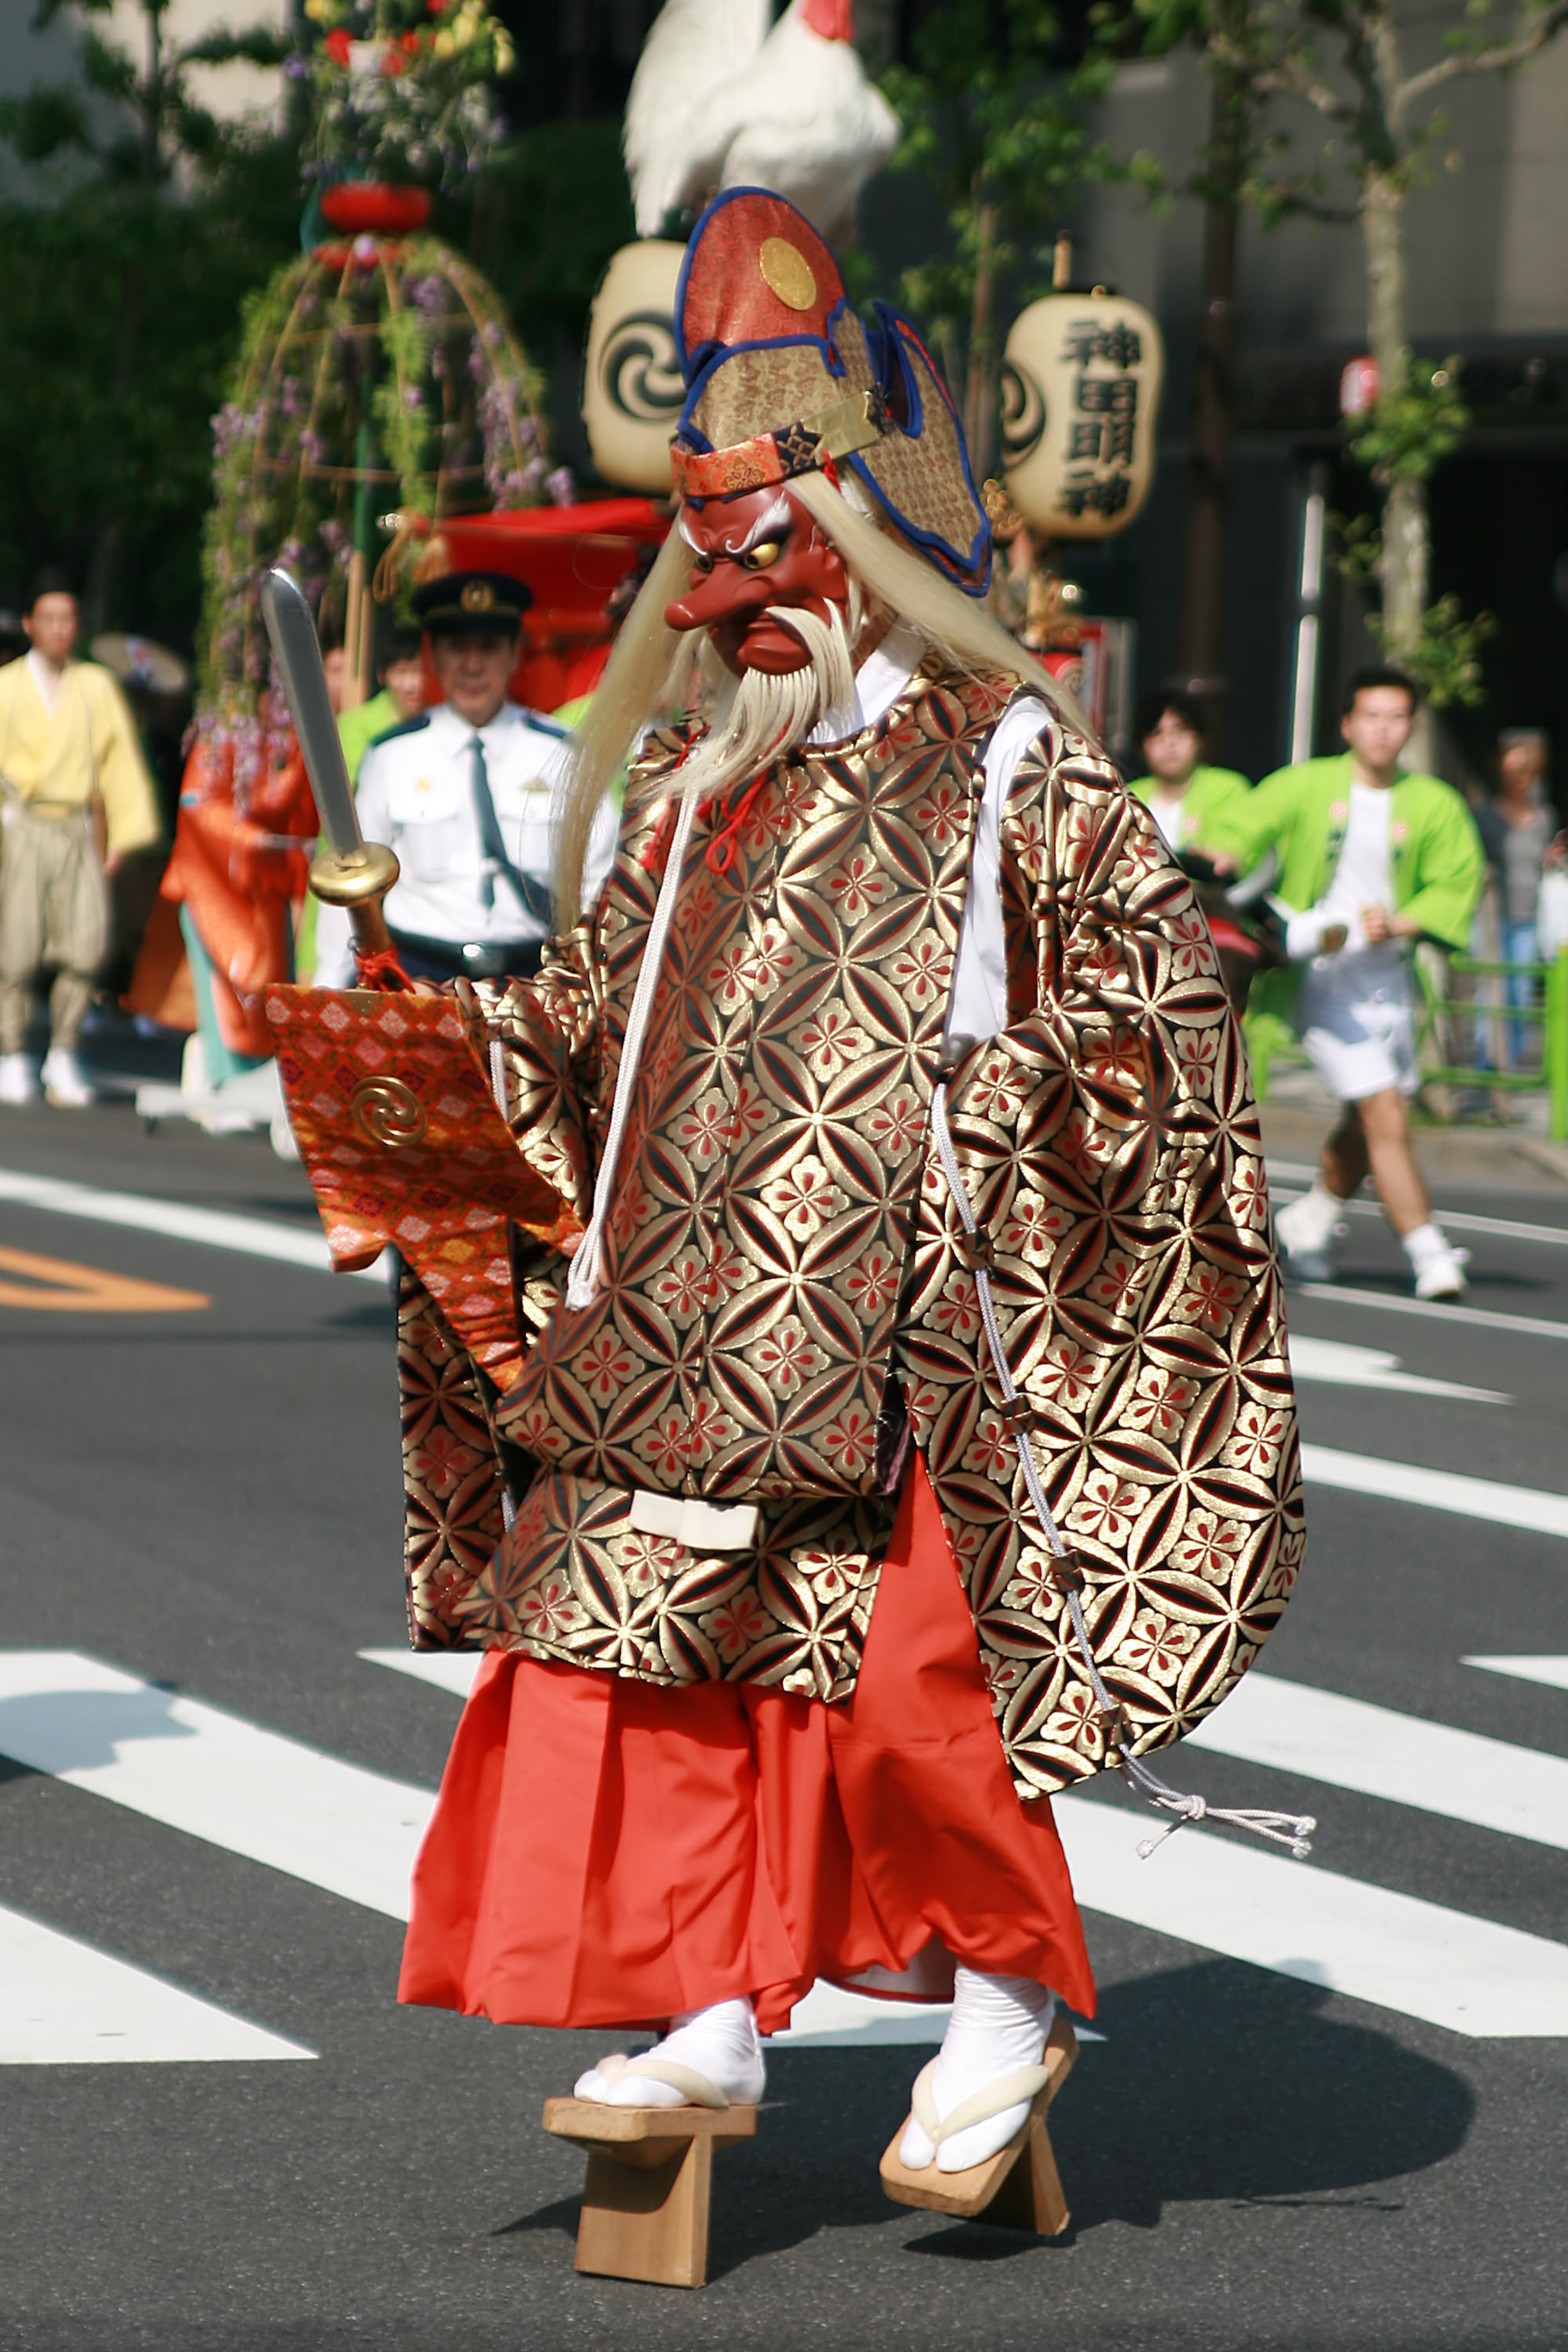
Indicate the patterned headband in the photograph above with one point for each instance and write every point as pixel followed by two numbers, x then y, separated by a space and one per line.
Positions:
pixel 806 446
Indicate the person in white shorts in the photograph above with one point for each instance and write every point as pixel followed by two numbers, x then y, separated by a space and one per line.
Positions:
pixel 1371 859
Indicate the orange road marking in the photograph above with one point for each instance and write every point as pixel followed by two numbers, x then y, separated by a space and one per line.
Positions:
pixel 54 1285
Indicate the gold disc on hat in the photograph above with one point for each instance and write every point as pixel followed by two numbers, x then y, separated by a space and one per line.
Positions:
pixel 478 596
pixel 788 272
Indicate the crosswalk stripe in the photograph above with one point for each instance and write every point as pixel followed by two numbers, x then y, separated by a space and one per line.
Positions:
pixel 1437 1490
pixel 1284 1178
pixel 68 2004
pixel 448 1670
pixel 193 1768
pixel 337 1826
pixel 1481 1319
pixel 1394 1950
pixel 1349 1744
pixel 1552 1672
pixel 832 2018
pixel 179 1221
pixel 1340 1365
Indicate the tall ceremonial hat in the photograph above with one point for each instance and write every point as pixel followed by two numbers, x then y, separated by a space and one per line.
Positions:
pixel 471 604
pixel 784 378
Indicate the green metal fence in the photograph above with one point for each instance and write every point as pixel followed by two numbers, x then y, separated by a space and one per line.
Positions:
pixel 1551 1011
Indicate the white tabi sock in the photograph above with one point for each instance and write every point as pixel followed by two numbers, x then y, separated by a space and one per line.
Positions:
pixel 721 2042
pixel 998 2023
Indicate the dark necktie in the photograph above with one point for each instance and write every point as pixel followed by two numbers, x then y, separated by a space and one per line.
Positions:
pixel 533 899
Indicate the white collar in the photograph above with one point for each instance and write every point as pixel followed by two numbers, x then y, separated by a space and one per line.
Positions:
pixel 878 682
pixel 49 681
pixel 510 713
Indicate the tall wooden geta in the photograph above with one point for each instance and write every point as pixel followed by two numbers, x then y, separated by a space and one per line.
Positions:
pixel 1017 2189
pixel 650 2179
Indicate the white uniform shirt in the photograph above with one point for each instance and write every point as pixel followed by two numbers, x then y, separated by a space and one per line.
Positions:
pixel 416 794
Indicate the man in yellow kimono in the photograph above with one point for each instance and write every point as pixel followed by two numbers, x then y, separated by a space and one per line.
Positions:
pixel 75 797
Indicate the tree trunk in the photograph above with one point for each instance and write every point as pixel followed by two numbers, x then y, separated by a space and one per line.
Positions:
pixel 1406 555
pixel 1405 568
pixel 1208 459
pixel 980 393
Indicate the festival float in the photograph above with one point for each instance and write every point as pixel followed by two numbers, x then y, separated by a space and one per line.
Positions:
pixel 380 398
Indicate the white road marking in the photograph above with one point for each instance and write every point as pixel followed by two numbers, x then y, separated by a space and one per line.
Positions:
pixel 213 1775
pixel 448 1670
pixel 1552 1672
pixel 1349 1744
pixel 1480 1319
pixel 1393 1951
pixel 1437 1490
pixel 177 1220
pixel 831 2016
pixel 1339 1365
pixel 68 2004
pixel 1462 1219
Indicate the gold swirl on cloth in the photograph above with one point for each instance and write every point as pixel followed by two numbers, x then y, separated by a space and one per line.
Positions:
pixel 785 1300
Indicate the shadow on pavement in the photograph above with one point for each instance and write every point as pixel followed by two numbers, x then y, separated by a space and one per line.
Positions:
pixel 1217 2083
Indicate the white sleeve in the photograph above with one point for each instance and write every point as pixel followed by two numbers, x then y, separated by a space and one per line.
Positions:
pixel 335 965
pixel 371 797
pixel 600 854
pixel 978 1005
pixel 334 949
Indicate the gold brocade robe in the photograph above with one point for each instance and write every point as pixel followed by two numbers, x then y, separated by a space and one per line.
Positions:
pixel 785 1303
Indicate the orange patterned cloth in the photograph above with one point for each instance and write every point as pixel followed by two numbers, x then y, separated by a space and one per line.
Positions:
pixel 399 1133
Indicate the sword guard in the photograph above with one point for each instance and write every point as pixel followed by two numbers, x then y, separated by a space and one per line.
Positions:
pixel 354 878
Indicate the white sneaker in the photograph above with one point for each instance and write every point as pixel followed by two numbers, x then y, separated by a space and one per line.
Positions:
pixel 1307 1237
pixel 1443 1277
pixel 19 1080
pixel 63 1081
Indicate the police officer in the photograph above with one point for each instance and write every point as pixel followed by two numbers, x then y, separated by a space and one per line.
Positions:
pixel 462 792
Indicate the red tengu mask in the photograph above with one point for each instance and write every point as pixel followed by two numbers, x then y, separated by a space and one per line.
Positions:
pixel 762 548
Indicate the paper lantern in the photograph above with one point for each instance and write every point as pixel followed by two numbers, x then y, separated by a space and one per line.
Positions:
pixel 632 387
pixel 1080 403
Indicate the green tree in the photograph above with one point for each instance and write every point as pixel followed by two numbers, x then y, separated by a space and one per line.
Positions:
pixel 997 113
pixel 1235 40
pixel 123 304
pixel 1345 61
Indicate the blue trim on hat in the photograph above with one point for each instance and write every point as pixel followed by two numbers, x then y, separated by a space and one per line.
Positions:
pixel 887 353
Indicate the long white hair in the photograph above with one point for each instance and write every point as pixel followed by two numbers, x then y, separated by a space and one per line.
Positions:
pixel 652 666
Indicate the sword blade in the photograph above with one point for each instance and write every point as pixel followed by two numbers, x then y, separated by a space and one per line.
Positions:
pixel 295 644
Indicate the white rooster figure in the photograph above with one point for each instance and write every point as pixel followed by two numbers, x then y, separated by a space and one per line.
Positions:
pixel 723 98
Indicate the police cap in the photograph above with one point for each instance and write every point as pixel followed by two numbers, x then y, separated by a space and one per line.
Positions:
pixel 472 605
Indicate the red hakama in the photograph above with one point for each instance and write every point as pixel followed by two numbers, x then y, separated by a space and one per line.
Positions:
pixel 605 1852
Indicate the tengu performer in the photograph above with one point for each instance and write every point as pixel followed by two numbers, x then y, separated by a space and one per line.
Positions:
pixel 925 1317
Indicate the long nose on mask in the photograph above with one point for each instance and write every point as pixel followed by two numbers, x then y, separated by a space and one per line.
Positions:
pixel 729 593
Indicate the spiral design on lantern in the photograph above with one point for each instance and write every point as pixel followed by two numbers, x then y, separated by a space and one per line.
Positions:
pixel 639 370
pixel 387 1112
pixel 1023 412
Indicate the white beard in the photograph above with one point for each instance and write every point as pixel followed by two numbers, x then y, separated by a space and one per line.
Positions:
pixel 758 715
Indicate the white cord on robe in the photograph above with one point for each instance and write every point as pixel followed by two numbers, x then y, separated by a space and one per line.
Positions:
pixel 583 1281
pixel 1292 1830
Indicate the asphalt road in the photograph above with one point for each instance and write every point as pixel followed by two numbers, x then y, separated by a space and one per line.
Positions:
pixel 206 1497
